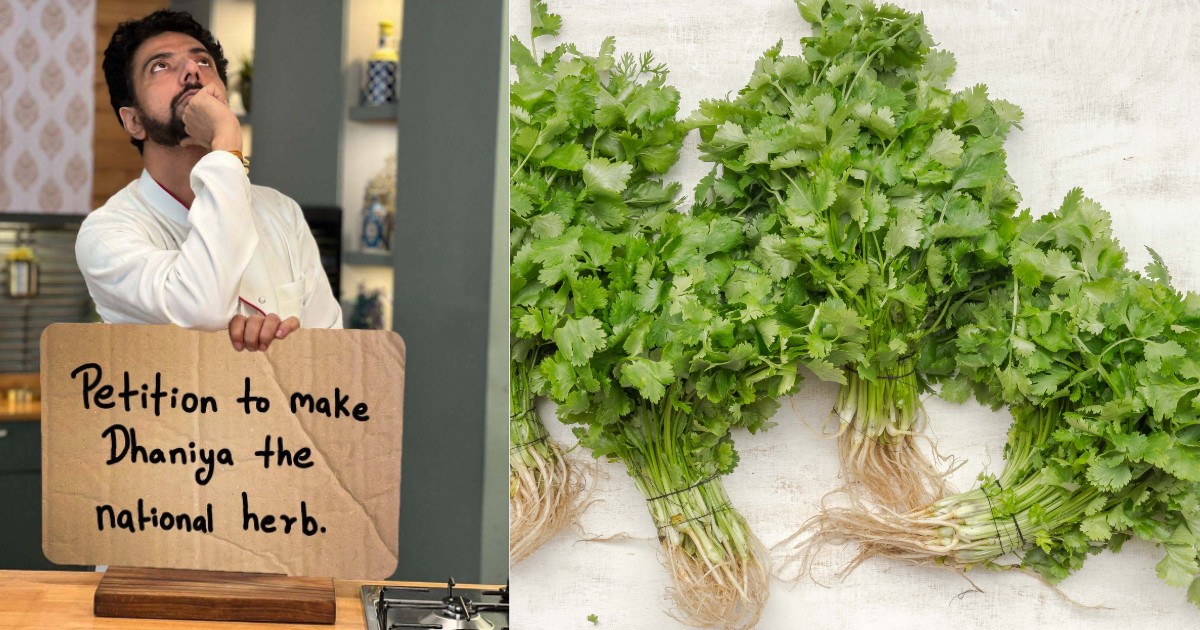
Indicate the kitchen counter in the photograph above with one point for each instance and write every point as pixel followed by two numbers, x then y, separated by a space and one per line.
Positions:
pixel 60 600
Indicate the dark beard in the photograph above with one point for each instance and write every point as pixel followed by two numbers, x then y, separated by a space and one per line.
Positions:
pixel 171 132
pixel 168 134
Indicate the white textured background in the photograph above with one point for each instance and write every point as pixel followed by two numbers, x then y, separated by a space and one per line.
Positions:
pixel 47 61
pixel 1111 94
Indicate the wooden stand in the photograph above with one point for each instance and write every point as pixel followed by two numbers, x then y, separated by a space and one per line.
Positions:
pixel 214 596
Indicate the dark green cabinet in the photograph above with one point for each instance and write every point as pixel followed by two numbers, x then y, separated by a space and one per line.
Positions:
pixel 20 447
pixel 21 498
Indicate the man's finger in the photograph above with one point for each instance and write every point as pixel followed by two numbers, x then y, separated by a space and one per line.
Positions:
pixel 237 329
pixel 289 325
pixel 253 325
pixel 267 334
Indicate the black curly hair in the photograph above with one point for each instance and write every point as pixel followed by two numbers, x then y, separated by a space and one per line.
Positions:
pixel 118 57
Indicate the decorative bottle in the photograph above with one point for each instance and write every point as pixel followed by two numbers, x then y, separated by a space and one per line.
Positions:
pixel 381 69
pixel 375 236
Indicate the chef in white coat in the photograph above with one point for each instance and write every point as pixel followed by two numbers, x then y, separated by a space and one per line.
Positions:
pixel 191 242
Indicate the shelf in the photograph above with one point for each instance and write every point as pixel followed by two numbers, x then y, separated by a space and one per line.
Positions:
pixel 21 412
pixel 367 259
pixel 374 113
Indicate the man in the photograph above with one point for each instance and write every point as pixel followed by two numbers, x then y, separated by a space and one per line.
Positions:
pixel 192 242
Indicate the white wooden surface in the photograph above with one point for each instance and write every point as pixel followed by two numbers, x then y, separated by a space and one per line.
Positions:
pixel 1111 94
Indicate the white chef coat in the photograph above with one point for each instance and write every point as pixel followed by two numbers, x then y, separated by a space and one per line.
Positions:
pixel 241 248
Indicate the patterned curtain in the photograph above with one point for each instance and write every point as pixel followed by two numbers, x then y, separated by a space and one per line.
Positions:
pixel 47 104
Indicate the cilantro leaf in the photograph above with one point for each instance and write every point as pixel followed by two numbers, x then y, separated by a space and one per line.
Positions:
pixel 579 338
pixel 544 22
pixel 648 377
pixel 605 177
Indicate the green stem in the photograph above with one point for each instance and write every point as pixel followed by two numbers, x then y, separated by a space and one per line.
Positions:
pixel 982 524
pixel 785 95
pixel 526 434
pixel 687 503
pixel 891 40
pixel 533 16
pixel 884 406
pixel 535 146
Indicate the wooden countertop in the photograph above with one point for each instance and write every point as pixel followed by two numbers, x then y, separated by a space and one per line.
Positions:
pixel 62 600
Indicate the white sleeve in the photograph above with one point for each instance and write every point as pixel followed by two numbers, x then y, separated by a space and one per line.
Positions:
pixel 193 287
pixel 320 307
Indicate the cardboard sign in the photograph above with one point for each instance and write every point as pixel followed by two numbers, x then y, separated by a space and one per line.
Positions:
pixel 165 447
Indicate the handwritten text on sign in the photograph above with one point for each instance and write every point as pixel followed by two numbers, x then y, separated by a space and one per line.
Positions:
pixel 165 447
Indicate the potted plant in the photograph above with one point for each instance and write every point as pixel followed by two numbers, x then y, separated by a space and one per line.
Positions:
pixel 245 75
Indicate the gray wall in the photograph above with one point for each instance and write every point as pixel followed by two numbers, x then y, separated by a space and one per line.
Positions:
pixel 495 464
pixel 450 81
pixel 200 9
pixel 298 99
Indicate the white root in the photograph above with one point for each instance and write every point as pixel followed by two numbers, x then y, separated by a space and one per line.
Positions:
pixel 544 499
pixel 730 594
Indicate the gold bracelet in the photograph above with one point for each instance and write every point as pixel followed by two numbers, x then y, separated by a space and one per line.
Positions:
pixel 245 160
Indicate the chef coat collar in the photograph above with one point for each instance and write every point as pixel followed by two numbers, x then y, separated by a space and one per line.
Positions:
pixel 161 199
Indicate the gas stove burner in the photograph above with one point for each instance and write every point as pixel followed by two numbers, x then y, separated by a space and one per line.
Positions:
pixel 457 613
pixel 440 620
pixel 397 607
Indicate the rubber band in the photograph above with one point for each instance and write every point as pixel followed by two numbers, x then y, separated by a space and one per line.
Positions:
pixel 695 485
pixel 720 508
pixel 1019 534
pixel 906 374
pixel 992 507
pixel 522 445
pixel 898 376
pixel 1017 525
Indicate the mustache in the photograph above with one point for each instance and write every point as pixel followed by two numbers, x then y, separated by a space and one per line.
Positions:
pixel 186 88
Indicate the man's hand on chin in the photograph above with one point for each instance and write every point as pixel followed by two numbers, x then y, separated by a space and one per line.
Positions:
pixel 210 123
pixel 258 331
